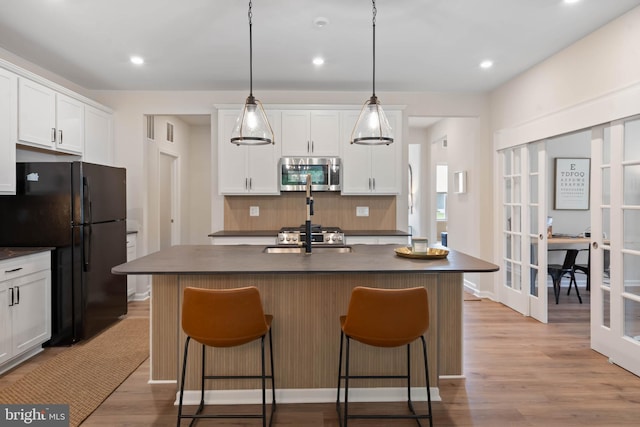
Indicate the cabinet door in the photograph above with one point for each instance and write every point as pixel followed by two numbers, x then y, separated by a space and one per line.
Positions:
pixel 262 165
pixel 6 345
pixel 31 313
pixel 36 114
pixel 98 140
pixel 385 161
pixel 296 133
pixel 8 132
pixel 69 124
pixel 232 159
pixel 356 159
pixel 325 133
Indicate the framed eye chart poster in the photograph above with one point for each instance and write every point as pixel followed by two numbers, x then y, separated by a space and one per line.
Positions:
pixel 572 183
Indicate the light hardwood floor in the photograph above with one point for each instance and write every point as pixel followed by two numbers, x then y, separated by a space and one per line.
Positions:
pixel 518 373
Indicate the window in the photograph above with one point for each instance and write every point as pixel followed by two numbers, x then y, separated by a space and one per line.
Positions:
pixel 442 173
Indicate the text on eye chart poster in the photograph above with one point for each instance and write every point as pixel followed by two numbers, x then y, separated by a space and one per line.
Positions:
pixel 572 183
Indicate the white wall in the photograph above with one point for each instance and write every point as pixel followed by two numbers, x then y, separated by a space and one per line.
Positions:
pixel 199 171
pixel 576 145
pixel 603 62
pixel 591 82
pixel 470 213
pixel 131 106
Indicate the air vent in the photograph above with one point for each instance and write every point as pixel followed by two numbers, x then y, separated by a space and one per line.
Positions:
pixel 151 133
pixel 169 132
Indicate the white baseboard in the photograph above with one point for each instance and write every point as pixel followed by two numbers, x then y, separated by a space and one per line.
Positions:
pixel 316 395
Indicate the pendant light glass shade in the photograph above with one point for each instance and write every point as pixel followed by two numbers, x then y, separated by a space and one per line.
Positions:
pixel 252 126
pixel 372 127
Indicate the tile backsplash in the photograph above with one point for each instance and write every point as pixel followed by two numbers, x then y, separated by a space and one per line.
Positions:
pixel 289 209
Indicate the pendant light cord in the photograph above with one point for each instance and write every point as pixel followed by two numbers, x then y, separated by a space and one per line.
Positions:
pixel 375 11
pixel 250 14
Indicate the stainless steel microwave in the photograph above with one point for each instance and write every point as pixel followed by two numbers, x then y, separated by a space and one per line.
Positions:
pixel 324 171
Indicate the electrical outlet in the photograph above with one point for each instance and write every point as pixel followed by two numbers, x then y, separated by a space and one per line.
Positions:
pixel 254 210
pixel 362 210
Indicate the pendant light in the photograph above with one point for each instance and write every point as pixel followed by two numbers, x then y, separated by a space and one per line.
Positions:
pixel 252 126
pixel 372 127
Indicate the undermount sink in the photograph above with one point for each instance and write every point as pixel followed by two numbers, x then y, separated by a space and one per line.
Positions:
pixel 301 249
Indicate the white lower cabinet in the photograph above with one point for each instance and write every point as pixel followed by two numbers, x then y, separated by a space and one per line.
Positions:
pixel 25 314
pixel 378 240
pixel 132 242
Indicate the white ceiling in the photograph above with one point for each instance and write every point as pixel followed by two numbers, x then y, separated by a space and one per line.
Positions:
pixel 421 45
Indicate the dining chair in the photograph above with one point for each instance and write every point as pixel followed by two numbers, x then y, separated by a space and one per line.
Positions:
pixel 584 269
pixel 558 271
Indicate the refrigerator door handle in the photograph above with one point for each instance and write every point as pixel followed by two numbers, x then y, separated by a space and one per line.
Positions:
pixel 87 206
pixel 86 248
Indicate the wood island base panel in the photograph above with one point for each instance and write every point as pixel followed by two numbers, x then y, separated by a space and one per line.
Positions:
pixel 306 303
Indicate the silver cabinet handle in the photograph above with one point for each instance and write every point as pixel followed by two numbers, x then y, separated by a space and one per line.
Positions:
pixel 246 183
pixel 374 184
pixel 12 296
pixel 13 270
pixel 369 183
pixel 60 133
pixel 17 295
pixel 53 134
pixel 250 183
pixel 307 146
pixel 312 147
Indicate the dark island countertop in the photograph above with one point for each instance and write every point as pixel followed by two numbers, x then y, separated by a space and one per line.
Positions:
pixel 274 233
pixel 247 259
pixel 14 252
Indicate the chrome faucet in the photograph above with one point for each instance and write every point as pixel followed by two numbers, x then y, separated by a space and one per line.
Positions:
pixel 307 224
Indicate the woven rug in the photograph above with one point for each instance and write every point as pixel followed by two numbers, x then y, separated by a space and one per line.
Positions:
pixel 86 374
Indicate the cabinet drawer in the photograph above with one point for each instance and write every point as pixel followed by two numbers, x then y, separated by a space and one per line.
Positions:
pixel 21 266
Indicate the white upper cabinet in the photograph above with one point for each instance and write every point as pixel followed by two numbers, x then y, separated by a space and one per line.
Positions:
pixel 368 169
pixel 8 131
pixel 36 114
pixel 244 169
pixel 98 136
pixel 310 133
pixel 48 119
pixel 69 124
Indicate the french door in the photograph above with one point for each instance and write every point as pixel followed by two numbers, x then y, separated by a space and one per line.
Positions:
pixel 615 251
pixel 523 219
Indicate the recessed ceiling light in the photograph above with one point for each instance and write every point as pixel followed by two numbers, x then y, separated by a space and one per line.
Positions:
pixel 320 22
pixel 318 61
pixel 571 1
pixel 487 63
pixel 137 60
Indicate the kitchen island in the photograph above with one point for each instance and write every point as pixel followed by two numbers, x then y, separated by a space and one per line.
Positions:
pixel 306 294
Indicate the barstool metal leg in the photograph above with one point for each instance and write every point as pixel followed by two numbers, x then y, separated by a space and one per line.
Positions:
pixel 346 383
pixel 426 372
pixel 409 402
pixel 264 397
pixel 184 371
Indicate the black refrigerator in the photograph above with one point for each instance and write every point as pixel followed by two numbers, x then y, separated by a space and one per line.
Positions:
pixel 79 209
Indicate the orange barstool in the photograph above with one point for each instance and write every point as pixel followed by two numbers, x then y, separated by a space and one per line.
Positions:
pixel 384 318
pixel 225 318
